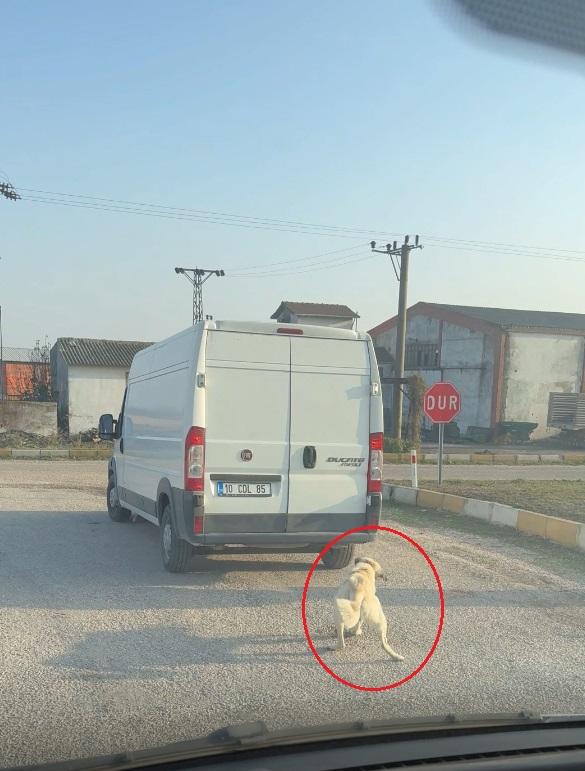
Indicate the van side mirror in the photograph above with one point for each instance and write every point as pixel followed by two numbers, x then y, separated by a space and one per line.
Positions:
pixel 107 427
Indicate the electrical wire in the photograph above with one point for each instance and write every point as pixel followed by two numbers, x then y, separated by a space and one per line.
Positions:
pixel 204 216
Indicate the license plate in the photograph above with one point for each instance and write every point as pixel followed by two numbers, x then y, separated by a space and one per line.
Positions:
pixel 244 489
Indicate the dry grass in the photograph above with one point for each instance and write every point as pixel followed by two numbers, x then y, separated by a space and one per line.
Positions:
pixel 557 497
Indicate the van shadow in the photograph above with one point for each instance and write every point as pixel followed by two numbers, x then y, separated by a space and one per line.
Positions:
pixel 160 652
pixel 81 560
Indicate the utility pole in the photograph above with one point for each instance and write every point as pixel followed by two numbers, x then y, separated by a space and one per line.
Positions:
pixel 197 277
pixel 402 255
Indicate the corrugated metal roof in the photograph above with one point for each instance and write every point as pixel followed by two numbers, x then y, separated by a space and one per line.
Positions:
pixel 315 309
pixel 503 318
pixel 511 317
pixel 9 353
pixel 89 352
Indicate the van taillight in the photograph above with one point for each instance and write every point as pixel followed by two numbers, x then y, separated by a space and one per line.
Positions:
pixel 375 463
pixel 194 458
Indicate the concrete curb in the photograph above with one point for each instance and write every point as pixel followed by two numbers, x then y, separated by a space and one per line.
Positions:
pixel 489 458
pixel 562 531
pixel 54 453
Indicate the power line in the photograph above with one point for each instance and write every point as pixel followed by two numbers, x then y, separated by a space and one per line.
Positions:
pixel 272 274
pixel 218 217
pixel 210 217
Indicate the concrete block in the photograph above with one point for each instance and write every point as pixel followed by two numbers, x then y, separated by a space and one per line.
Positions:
pixel 525 459
pixel 386 492
pixel 431 457
pixel 5 452
pixel 26 453
pixel 406 495
pixel 429 499
pixel 504 515
pixel 504 458
pixel 454 503
pixel 550 458
pixel 532 522
pixel 392 457
pixel 478 509
pixel 482 457
pixel 574 458
pixel 55 452
pixel 562 531
pixel 581 538
pixel 83 453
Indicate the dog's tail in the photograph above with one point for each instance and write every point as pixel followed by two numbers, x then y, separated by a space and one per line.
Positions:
pixel 390 651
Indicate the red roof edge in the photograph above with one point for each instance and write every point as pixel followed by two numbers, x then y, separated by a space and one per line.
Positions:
pixel 445 314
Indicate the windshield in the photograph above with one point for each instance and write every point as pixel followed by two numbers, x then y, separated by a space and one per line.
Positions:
pixel 292 370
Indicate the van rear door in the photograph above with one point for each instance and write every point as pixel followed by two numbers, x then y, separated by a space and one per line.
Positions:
pixel 329 436
pixel 247 425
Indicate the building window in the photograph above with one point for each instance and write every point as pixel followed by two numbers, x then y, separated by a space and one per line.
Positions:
pixel 422 356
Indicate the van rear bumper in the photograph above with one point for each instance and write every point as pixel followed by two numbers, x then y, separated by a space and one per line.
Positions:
pixel 277 530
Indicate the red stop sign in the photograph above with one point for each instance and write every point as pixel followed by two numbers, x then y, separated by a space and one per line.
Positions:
pixel 442 402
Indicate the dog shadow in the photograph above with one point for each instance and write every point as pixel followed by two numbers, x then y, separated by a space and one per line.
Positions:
pixel 162 652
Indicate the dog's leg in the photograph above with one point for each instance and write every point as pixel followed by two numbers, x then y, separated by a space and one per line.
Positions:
pixel 340 638
pixel 358 629
pixel 382 626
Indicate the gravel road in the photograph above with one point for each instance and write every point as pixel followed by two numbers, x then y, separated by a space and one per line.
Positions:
pixel 102 650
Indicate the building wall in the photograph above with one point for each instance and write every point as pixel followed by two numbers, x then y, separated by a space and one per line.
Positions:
pixel 535 365
pixel 59 372
pixel 466 359
pixel 33 417
pixel 93 391
pixel 329 321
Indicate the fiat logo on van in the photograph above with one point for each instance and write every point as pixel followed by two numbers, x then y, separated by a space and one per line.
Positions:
pixel 246 455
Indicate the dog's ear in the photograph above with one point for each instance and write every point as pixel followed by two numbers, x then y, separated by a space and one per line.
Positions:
pixel 357 560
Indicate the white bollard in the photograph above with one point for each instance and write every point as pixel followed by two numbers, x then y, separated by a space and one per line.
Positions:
pixel 413 469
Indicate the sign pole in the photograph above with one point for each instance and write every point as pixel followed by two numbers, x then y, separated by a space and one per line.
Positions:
pixel 441 435
pixel 441 403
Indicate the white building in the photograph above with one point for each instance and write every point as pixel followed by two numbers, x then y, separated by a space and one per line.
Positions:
pixel 504 361
pixel 89 377
pixel 323 314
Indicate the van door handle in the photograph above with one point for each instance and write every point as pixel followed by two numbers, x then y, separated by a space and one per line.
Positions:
pixel 309 456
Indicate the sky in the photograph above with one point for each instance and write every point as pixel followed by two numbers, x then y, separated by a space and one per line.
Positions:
pixel 382 117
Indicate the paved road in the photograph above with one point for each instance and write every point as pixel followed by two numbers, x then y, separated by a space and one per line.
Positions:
pixel 102 650
pixel 427 471
pixel 67 481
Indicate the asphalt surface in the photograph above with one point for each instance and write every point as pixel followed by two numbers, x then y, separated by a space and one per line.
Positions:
pixel 104 651
pixel 397 472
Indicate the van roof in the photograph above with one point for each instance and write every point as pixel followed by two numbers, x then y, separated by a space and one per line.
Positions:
pixel 261 328
pixel 272 328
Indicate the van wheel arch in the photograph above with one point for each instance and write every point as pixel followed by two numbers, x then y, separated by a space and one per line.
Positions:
pixel 164 497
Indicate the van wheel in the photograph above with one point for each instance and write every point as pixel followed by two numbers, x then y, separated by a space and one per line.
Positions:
pixel 338 557
pixel 117 513
pixel 176 553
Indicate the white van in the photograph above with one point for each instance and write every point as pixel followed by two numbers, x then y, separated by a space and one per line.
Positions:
pixel 263 436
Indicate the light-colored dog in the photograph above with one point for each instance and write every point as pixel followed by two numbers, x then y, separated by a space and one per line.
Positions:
pixel 356 603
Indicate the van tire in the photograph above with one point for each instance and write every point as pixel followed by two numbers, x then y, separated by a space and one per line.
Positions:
pixel 176 553
pixel 117 513
pixel 338 557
